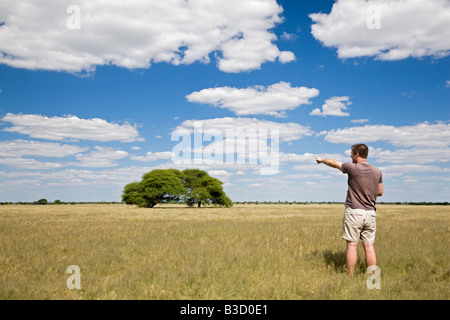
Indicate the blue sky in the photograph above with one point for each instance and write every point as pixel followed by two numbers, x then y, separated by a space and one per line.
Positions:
pixel 90 99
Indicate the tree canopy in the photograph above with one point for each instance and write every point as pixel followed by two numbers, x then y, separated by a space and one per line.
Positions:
pixel 42 201
pixel 202 188
pixel 191 186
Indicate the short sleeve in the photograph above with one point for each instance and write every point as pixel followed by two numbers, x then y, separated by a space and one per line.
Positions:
pixel 345 167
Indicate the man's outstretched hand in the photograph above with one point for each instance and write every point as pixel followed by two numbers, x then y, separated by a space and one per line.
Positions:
pixel 319 159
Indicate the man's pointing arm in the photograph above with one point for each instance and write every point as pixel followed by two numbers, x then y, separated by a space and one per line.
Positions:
pixel 329 162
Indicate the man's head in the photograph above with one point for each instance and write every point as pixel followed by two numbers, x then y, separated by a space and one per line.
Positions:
pixel 359 150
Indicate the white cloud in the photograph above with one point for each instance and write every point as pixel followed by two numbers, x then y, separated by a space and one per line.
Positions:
pixel 288 131
pixel 388 30
pixel 310 168
pixel 333 107
pixel 412 156
pixel 134 34
pixel 289 36
pixel 222 175
pixel 70 128
pixel 424 135
pixel 234 143
pixel 29 164
pixel 309 175
pixel 310 158
pixel 255 168
pixel 12 152
pixel 294 157
pixel 257 185
pixel 286 56
pixel 360 121
pixel 100 157
pixel 81 177
pixel 152 156
pixel 399 170
pixel 19 148
pixel 427 178
pixel 272 100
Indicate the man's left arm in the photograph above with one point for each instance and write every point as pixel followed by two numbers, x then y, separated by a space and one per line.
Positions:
pixel 380 189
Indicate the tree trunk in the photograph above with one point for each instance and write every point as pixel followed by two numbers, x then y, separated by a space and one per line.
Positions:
pixel 199 204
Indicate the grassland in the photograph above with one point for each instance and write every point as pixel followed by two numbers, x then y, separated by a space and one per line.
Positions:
pixel 244 252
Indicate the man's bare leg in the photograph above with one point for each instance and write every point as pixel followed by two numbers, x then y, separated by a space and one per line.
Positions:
pixel 371 258
pixel 352 255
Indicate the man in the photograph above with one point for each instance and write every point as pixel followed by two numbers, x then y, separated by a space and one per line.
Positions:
pixel 365 184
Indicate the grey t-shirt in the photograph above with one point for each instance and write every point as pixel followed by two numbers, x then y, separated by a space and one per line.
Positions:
pixel 363 180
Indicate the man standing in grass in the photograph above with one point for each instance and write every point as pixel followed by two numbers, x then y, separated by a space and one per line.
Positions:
pixel 365 184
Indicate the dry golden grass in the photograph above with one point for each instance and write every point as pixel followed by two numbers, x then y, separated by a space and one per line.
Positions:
pixel 244 252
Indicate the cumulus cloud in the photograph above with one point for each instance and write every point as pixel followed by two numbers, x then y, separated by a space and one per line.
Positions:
pixel 310 158
pixel 100 157
pixel 288 131
pixel 308 168
pixel 255 168
pixel 399 170
pixel 333 107
pixel 272 100
pixel 289 36
pixel 12 152
pixel 19 148
pixel 413 156
pixel 222 175
pixel 81 177
pixel 70 128
pixel 385 29
pixel 30 164
pixel 360 121
pixel 75 37
pixel 421 135
pixel 152 156
pixel 234 142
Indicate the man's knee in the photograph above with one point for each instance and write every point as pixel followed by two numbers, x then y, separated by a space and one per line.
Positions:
pixel 368 245
pixel 352 244
pixel 369 248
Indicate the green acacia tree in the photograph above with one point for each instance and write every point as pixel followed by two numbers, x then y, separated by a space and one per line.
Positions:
pixel 201 188
pixel 42 201
pixel 193 186
pixel 157 186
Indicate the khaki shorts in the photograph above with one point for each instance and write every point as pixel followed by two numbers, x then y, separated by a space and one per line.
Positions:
pixel 359 224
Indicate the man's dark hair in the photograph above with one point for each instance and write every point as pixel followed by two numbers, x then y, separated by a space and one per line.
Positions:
pixel 362 149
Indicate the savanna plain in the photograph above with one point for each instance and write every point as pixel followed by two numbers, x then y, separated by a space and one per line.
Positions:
pixel 248 251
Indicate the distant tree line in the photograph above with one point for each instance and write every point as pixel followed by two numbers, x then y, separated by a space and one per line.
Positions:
pixel 44 201
pixel 59 202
